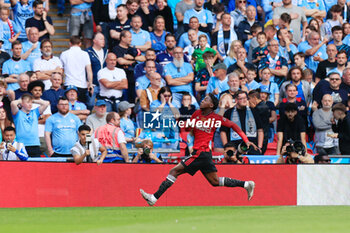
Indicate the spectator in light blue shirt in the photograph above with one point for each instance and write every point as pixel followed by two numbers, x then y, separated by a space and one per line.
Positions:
pixel 15 66
pixel 126 124
pixel 77 108
pixel 179 76
pixel 314 50
pixel 31 48
pixel 218 83
pixel 143 82
pixel 22 10
pixel 141 39
pixel 61 130
pixel 26 122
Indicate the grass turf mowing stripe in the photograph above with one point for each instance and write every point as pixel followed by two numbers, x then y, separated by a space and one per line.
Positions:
pixel 178 219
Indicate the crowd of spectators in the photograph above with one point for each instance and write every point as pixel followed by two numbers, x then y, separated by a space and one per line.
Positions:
pixel 280 70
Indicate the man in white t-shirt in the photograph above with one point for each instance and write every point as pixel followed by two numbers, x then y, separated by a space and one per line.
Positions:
pixel 77 68
pixel 112 83
pixel 47 64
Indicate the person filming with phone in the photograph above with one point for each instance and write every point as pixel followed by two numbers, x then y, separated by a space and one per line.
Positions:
pixel 88 149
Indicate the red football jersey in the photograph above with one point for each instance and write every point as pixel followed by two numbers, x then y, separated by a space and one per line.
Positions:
pixel 204 128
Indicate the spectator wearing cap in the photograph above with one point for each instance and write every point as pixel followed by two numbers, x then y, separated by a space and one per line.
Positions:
pixel 179 76
pixel 55 92
pixel 290 126
pixel 98 118
pixel 112 137
pixel 112 83
pixel 271 87
pixel 126 124
pixel 36 88
pixel 47 64
pixel 76 107
pixel 218 83
pixel 23 81
pixel 61 130
pixel 264 96
pixel 341 126
pixel 15 66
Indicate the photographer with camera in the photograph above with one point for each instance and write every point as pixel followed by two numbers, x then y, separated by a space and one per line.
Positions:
pixel 234 155
pixel 294 152
pixel 87 149
pixel 145 153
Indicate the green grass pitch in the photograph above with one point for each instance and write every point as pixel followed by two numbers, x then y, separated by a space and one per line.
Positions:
pixel 281 219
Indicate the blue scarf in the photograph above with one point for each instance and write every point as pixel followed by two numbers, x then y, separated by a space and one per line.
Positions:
pixel 250 125
pixel 222 40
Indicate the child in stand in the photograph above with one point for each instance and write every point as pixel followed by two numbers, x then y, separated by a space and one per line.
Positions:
pixel 251 83
pixel 203 75
pixel 126 124
pixel 261 51
pixel 9 35
pixel 197 55
pixel 255 29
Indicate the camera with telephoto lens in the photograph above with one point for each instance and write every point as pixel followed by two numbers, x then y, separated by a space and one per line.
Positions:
pixel 242 148
pixel 145 154
pixel 295 146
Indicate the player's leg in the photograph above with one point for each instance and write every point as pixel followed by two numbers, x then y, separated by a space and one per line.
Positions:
pixel 214 180
pixel 169 181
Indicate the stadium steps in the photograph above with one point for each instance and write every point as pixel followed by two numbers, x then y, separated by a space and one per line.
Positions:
pixel 61 38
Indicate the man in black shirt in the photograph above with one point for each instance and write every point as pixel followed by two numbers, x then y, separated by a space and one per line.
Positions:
pixel 264 114
pixel 327 65
pixel 118 25
pixel 41 21
pixel 127 58
pixel 290 126
pixel 248 120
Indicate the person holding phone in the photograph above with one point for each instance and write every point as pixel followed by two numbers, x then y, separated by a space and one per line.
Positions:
pixel 88 149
